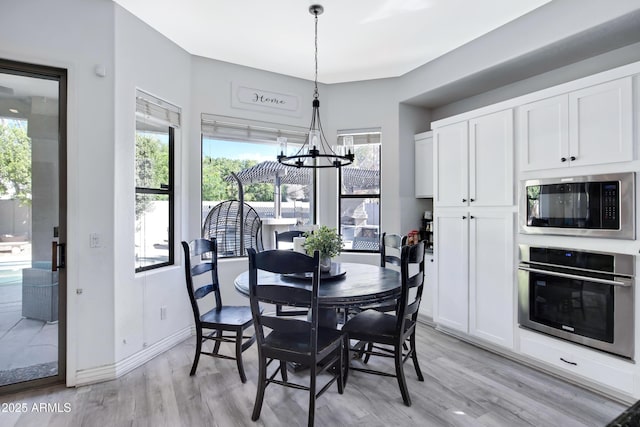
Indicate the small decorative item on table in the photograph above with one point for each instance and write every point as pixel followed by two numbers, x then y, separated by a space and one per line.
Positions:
pixel 326 241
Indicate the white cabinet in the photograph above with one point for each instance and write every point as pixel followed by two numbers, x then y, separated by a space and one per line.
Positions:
pixel 474 162
pixel 426 305
pixel 423 159
pixel 492 276
pixel 474 257
pixel 451 302
pixel 595 366
pixel 585 127
pixel 451 165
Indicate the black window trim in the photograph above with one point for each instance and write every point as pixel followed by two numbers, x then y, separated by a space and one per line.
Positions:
pixel 169 191
pixel 377 195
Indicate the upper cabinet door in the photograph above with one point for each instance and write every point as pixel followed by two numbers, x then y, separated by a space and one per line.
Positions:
pixel 451 165
pixel 543 133
pixel 601 123
pixel 491 160
pixel 585 127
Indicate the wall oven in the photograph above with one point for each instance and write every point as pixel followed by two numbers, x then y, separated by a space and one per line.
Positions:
pixel 593 205
pixel 584 297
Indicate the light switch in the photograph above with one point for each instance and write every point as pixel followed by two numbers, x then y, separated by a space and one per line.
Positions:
pixel 94 240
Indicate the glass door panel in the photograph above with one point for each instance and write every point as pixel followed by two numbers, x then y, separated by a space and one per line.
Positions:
pixel 30 220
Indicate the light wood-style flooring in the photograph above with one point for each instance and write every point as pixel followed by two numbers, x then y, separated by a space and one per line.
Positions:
pixel 464 386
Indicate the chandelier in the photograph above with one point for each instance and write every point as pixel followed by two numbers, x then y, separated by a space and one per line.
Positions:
pixel 316 151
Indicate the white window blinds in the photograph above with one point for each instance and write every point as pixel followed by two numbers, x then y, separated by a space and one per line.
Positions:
pixel 360 136
pixel 235 129
pixel 155 109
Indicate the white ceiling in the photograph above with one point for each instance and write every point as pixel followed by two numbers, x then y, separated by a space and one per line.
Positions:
pixel 357 39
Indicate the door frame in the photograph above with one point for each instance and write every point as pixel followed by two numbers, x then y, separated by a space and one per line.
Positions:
pixel 61 76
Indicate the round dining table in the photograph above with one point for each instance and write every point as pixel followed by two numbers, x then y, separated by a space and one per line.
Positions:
pixel 347 285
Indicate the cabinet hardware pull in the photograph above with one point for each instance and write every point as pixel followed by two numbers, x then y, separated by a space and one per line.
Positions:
pixel 573 158
pixel 570 363
pixel 622 281
pixel 464 200
pixel 431 259
pixel 472 200
pixel 563 159
pixel 471 217
pixel 464 217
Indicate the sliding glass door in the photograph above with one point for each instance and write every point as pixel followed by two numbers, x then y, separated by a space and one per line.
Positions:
pixel 32 225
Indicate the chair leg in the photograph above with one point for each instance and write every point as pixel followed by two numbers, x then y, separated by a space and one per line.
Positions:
pixel 243 377
pixel 346 355
pixel 196 357
pixel 216 346
pixel 283 371
pixel 414 356
pixel 262 383
pixel 312 396
pixel 368 355
pixel 340 369
pixel 400 375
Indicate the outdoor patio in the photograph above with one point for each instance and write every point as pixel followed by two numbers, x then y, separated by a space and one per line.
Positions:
pixel 28 348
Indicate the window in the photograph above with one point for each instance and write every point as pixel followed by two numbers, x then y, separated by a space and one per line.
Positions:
pixel 156 123
pixel 359 204
pixel 249 149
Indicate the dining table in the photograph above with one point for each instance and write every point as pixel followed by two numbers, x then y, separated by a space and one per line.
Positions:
pixel 346 285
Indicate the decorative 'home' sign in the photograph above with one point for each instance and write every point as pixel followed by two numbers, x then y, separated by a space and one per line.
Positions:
pixel 250 98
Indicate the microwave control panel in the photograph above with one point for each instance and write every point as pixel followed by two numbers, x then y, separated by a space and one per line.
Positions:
pixel 610 205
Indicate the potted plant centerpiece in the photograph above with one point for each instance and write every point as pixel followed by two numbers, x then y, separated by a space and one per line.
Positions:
pixel 326 241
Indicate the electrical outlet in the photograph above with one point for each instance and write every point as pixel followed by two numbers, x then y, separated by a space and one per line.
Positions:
pixel 163 313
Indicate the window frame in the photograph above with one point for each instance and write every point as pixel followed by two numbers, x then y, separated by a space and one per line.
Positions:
pixel 169 191
pixel 342 196
pixel 235 129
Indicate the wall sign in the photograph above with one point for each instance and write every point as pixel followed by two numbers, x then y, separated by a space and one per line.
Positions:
pixel 251 98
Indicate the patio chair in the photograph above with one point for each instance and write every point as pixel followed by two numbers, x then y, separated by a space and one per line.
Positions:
pixel 235 226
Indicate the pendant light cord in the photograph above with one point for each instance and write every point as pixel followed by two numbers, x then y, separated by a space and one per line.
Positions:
pixel 315 93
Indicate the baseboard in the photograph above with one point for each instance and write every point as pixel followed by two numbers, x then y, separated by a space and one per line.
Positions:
pixel 423 318
pixel 122 367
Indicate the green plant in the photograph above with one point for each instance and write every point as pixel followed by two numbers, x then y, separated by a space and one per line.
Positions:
pixel 324 240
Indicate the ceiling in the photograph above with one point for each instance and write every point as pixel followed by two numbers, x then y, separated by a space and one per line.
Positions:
pixel 357 39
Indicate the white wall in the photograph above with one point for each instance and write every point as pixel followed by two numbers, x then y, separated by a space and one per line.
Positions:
pixel 78 35
pixel 148 61
pixel 361 105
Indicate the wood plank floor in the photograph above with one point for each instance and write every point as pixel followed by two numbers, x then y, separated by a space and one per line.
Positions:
pixel 464 386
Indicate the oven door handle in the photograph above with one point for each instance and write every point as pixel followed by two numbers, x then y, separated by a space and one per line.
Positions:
pixel 624 282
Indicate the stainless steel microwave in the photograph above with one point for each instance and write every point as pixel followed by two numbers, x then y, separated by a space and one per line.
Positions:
pixel 593 206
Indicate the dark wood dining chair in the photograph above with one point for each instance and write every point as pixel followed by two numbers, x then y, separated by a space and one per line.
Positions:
pixel 221 318
pixel 390 247
pixel 287 237
pixel 389 332
pixel 292 339
pixel 390 251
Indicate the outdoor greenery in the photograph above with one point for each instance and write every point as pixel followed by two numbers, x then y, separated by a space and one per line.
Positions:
pixel 215 187
pixel 15 161
pixel 325 240
pixel 152 168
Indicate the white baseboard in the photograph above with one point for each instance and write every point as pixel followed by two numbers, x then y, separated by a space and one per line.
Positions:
pixel 122 367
